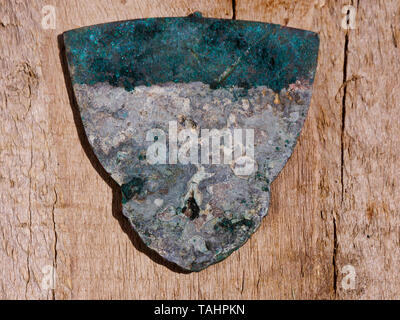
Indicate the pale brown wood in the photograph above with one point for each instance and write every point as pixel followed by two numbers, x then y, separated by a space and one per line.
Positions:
pixel 369 223
pixel 334 204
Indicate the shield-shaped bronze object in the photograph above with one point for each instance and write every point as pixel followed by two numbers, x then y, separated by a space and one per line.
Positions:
pixel 193 118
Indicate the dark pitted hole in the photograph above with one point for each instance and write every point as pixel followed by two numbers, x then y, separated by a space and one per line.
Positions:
pixel 191 210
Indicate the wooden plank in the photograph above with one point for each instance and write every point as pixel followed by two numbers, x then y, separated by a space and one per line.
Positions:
pixel 333 205
pixel 27 163
pixel 298 237
pixel 57 209
pixel 352 151
pixel 96 258
pixel 368 226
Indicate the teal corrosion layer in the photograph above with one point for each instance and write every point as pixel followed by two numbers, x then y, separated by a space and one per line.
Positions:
pixel 214 51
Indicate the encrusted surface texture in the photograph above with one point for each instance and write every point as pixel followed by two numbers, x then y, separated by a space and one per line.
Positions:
pixel 174 75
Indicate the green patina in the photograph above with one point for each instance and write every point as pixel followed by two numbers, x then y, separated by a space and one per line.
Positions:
pixel 214 51
pixel 132 188
pixel 227 224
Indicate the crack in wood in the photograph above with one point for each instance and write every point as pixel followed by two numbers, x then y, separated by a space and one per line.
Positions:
pixel 55 237
pixel 342 150
pixel 342 146
pixel 334 258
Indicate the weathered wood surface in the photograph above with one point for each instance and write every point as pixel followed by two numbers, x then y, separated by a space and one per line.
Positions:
pixel 336 202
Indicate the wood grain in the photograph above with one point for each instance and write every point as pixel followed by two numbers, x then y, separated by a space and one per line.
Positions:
pixel 335 203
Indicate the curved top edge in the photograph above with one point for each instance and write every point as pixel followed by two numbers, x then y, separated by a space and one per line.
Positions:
pixel 194 15
pixel 220 52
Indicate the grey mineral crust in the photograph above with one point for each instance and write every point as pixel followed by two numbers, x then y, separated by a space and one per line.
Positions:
pixel 192 214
